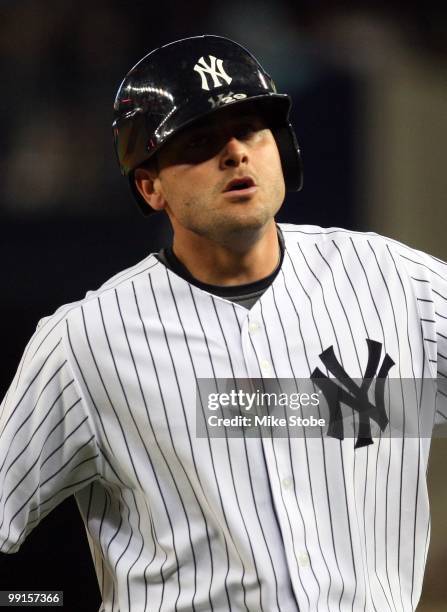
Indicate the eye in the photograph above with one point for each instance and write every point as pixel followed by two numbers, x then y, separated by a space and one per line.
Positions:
pixel 248 128
pixel 197 141
pixel 245 130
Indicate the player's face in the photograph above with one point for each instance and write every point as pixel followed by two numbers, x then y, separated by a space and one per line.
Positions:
pixel 221 176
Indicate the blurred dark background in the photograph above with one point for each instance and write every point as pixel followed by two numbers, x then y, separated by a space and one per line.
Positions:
pixel 370 111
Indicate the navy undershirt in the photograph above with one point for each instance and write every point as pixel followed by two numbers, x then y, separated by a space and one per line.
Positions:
pixel 244 295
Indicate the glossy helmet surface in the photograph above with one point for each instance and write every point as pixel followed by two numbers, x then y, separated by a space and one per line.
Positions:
pixel 185 81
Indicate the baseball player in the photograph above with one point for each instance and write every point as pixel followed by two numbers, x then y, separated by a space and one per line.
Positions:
pixel 106 399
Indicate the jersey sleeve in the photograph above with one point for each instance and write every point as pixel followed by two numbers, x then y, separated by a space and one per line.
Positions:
pixel 439 294
pixel 429 277
pixel 48 447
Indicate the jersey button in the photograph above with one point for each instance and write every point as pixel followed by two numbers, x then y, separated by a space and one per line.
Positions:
pixel 287 483
pixel 265 366
pixel 303 559
pixel 253 327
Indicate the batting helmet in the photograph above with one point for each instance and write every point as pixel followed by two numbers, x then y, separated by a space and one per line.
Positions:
pixel 186 80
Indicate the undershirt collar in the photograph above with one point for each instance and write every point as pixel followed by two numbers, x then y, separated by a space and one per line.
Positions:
pixel 245 294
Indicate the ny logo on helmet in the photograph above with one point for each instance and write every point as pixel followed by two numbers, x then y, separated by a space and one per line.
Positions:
pixel 215 69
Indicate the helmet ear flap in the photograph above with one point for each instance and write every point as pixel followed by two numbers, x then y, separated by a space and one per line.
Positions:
pixel 289 152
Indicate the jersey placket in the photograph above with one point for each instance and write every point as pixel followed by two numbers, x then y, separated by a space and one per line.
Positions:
pixel 256 339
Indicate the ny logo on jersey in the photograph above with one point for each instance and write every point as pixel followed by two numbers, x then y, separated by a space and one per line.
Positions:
pixel 215 69
pixel 348 392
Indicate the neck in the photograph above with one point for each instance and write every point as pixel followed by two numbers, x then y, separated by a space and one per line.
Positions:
pixel 246 260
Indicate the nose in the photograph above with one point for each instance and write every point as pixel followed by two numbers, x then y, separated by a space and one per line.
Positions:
pixel 233 154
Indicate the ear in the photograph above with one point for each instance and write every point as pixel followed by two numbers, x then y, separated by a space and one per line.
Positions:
pixel 148 184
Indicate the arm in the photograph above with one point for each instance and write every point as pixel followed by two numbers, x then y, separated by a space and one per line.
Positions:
pixel 48 448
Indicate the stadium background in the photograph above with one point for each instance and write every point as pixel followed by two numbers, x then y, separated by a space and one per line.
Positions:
pixel 370 111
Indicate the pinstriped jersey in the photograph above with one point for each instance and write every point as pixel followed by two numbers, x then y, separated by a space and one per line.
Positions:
pixel 103 407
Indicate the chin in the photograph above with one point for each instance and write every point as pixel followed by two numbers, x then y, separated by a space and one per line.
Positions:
pixel 239 227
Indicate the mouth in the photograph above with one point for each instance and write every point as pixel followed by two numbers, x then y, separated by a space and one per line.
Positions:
pixel 240 186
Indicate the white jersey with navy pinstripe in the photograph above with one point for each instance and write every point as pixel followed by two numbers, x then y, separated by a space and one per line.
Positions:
pixel 103 407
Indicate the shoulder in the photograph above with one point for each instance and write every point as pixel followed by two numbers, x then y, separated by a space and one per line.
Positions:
pixel 122 282
pixel 306 237
pixel 376 254
pixel 410 257
pixel 314 233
